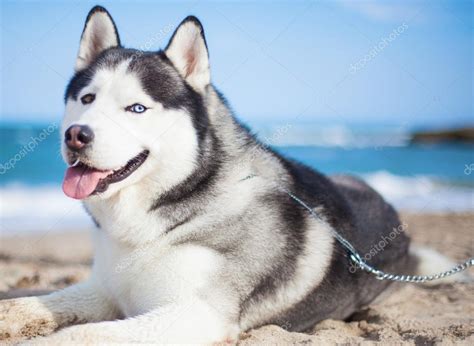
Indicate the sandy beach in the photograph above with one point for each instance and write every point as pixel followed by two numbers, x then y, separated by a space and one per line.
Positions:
pixel 406 314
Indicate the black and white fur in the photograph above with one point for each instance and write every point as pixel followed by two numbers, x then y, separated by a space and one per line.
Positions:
pixel 186 250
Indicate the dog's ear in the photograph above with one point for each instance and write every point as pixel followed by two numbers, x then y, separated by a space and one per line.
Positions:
pixel 99 34
pixel 187 50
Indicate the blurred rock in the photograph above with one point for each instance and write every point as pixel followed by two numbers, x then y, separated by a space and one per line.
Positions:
pixel 461 135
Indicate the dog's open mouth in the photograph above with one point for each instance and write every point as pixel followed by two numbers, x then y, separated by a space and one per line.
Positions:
pixel 81 180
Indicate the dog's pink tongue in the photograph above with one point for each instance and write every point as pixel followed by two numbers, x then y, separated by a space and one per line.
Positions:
pixel 81 181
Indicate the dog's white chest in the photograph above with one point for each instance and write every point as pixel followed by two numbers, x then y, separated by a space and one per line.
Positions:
pixel 148 277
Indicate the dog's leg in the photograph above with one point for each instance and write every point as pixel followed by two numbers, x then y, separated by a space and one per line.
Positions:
pixel 31 316
pixel 187 322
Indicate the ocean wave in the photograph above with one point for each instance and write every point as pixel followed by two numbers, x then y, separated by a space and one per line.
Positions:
pixel 46 208
pixel 421 193
pixel 40 208
pixel 332 136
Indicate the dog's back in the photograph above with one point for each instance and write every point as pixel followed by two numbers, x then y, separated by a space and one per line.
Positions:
pixel 360 215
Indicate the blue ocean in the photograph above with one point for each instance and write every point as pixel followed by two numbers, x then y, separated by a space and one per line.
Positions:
pixel 424 178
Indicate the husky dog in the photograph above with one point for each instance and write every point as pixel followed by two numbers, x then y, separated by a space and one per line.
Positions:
pixel 197 239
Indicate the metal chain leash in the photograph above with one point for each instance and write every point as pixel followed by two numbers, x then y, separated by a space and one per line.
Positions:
pixel 359 262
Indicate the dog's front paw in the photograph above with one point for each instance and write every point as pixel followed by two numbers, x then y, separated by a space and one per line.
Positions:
pixel 24 318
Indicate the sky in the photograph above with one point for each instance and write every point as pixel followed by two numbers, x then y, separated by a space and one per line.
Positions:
pixel 384 62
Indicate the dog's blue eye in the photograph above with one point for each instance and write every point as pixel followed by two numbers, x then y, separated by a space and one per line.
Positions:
pixel 136 108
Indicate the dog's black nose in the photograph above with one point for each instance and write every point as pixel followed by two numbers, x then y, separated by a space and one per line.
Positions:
pixel 78 136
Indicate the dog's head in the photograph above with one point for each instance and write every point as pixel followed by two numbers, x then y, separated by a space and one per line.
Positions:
pixel 130 113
